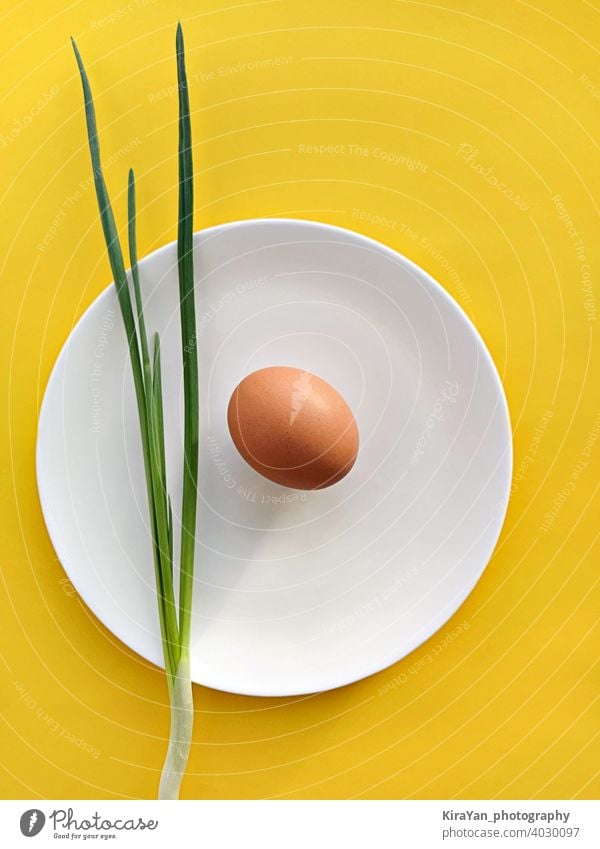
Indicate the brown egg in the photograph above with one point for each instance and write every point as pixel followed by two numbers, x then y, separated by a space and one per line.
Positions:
pixel 293 428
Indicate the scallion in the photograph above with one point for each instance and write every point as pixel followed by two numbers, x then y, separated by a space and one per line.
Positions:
pixel 175 620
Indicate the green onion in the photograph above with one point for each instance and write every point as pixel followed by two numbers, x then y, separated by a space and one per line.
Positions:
pixel 175 622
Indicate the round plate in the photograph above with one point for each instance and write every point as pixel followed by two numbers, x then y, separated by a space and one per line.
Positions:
pixel 295 592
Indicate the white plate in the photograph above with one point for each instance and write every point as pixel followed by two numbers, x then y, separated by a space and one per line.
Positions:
pixel 294 592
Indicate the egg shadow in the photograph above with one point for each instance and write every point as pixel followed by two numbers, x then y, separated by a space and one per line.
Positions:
pixel 237 508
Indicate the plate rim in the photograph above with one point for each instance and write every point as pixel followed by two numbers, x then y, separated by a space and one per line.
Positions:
pixel 421 636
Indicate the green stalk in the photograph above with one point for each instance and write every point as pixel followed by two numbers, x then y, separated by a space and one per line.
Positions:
pixel 115 256
pixel 156 468
pixel 161 504
pixel 182 707
pixel 175 624
pixel 185 261
pixel 135 275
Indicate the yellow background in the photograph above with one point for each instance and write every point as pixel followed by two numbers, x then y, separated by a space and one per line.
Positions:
pixel 502 706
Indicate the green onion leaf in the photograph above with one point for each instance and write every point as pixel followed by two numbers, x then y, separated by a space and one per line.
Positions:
pixel 115 256
pixel 136 275
pixel 185 258
pixel 175 630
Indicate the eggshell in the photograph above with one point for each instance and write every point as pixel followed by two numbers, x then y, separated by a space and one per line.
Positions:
pixel 293 428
